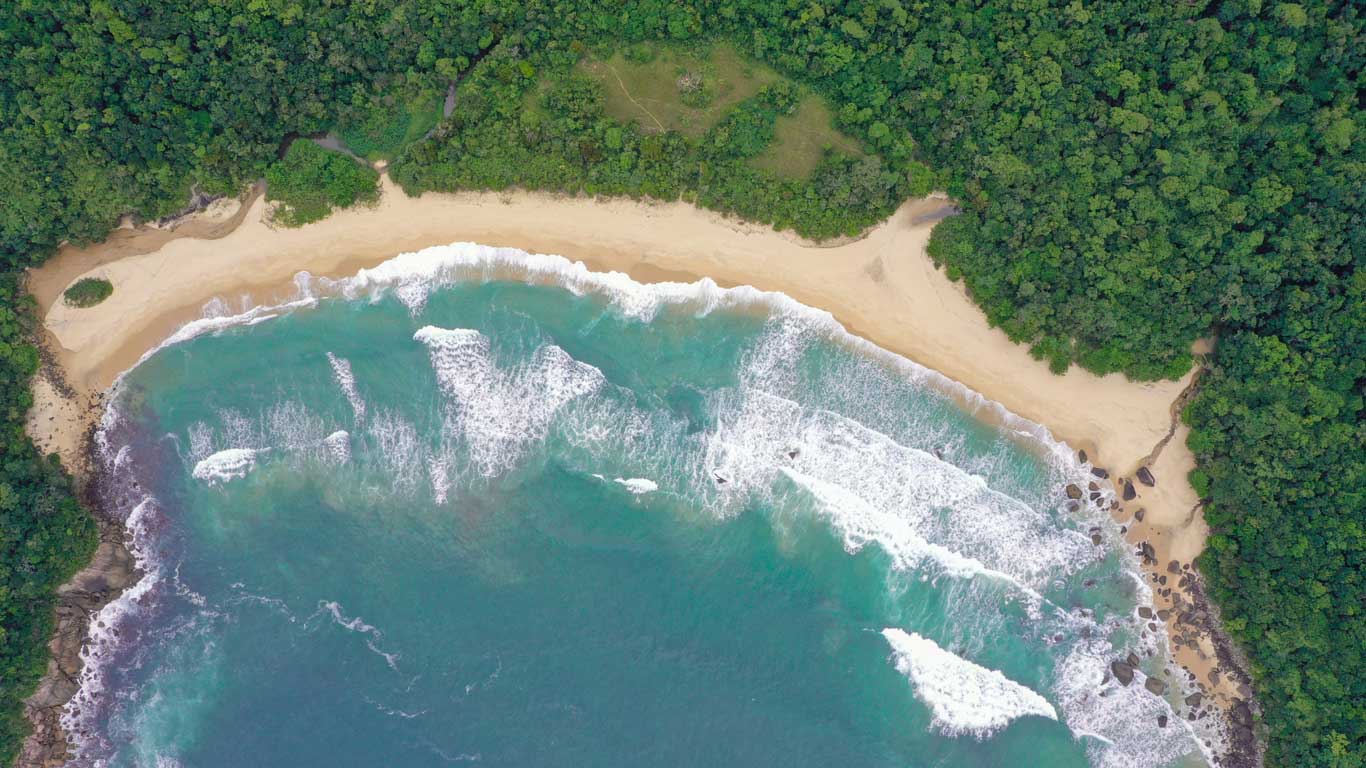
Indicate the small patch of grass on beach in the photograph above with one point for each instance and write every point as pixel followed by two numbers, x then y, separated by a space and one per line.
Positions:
pixel 87 292
pixel 801 139
pixel 666 88
pixel 310 181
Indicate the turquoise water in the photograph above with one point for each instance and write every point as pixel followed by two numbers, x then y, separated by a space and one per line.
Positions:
pixel 474 507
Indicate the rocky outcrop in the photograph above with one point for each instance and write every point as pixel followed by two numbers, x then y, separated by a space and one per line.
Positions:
pixel 109 573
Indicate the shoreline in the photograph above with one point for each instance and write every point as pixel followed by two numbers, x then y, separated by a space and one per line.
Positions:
pixel 882 287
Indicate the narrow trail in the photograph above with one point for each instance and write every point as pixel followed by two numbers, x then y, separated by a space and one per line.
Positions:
pixel 626 91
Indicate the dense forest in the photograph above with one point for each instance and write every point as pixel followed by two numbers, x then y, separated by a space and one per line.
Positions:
pixel 1132 176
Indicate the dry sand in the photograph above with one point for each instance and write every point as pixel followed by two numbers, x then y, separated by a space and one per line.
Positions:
pixel 882 286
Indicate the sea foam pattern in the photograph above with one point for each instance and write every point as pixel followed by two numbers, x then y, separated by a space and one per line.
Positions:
pixel 811 437
pixel 499 413
pixel 964 697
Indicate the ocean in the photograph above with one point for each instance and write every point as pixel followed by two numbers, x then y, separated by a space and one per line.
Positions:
pixel 478 506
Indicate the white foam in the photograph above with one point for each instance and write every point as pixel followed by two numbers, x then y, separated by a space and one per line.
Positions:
pixel 638 485
pixel 201 441
pixel 964 697
pixel 108 626
pixel 356 624
pixel 341 371
pixel 862 524
pixel 1121 719
pixel 439 474
pixel 500 412
pixel 227 465
pixel 400 453
pixel 757 434
pixel 338 446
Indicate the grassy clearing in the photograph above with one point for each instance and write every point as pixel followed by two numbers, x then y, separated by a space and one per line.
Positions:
pixel 800 140
pixel 390 125
pixel 664 88
pixel 87 292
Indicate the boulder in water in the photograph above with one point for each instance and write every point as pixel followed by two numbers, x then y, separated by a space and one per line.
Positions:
pixel 1081 456
pixel 1073 492
pixel 1161 721
pixel 1124 673
pixel 1145 612
pixel 1155 686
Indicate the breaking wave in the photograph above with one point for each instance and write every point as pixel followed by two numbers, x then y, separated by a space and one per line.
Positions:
pixel 964 697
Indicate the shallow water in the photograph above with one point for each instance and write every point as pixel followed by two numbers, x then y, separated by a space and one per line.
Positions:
pixel 483 507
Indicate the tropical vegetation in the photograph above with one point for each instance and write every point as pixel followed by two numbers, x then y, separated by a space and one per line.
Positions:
pixel 1132 176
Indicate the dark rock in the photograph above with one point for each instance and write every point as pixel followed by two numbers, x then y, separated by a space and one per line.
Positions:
pixel 1145 476
pixel 793 453
pixel 1145 612
pixel 1095 539
pixel 1133 659
pixel 1155 686
pixel 1095 495
pixel 1194 699
pixel 1073 506
pixel 1100 472
pixel 1139 514
pixel 1242 715
pixel 1161 721
pixel 1164 614
pixel 1124 673
pixel 1089 583
pixel 1173 567
pixel 1081 456
pixel 1092 486
pixel 1129 493
pixel 1073 492
pixel 719 478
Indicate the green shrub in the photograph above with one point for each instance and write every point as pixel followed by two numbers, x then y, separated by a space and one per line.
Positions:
pixel 88 291
pixel 310 181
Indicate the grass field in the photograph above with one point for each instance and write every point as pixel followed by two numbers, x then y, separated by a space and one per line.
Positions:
pixel 800 140
pixel 649 92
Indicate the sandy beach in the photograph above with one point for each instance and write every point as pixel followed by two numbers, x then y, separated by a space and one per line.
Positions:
pixel 882 286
